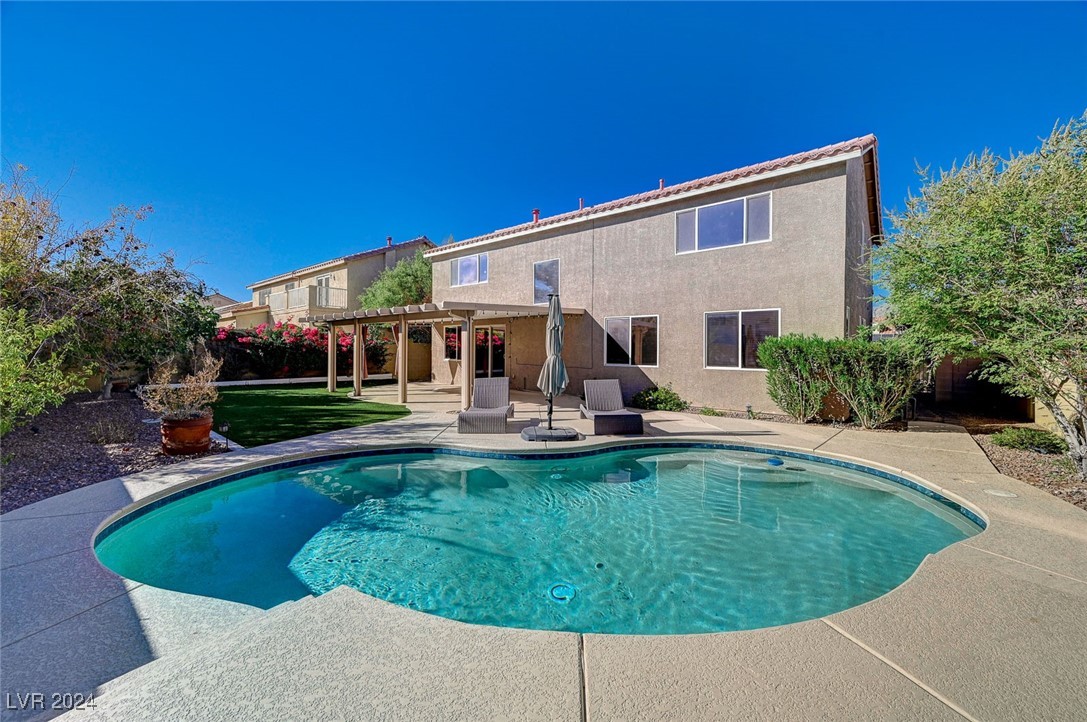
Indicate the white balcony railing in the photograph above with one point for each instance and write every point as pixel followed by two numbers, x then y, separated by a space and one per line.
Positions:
pixel 328 297
pixel 298 297
pixel 277 301
pixel 308 297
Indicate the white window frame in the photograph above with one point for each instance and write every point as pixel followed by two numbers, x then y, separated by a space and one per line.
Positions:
pixel 630 332
pixel 317 280
pixel 558 278
pixel 739 338
pixel 290 286
pixel 458 259
pixel 697 209
pixel 262 297
pixel 460 332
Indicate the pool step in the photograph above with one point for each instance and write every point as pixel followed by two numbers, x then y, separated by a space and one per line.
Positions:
pixel 206 645
pixel 345 655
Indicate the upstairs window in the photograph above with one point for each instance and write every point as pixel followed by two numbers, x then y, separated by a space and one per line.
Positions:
pixel 468 270
pixel 262 298
pixel 631 341
pixel 545 280
pixel 732 223
pixel 733 337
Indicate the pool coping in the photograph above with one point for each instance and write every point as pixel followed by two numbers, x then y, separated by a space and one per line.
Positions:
pixel 181 490
pixel 1046 530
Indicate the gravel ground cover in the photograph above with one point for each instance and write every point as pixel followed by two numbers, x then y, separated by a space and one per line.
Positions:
pixel 81 442
pixel 1052 472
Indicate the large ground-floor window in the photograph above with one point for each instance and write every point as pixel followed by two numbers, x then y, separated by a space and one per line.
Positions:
pixel 453 336
pixel 733 337
pixel 631 341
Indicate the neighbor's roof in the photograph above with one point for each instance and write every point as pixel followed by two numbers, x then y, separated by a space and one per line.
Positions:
pixel 243 307
pixel 421 240
pixel 863 146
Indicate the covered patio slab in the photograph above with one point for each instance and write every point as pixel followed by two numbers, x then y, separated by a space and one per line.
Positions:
pixel 989 628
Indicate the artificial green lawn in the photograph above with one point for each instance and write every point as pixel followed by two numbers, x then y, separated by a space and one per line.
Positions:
pixel 265 414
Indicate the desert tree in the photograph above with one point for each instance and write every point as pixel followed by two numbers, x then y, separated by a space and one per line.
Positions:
pixel 989 260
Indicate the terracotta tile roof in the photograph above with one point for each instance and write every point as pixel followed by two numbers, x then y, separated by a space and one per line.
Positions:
pixel 857 145
pixel 421 240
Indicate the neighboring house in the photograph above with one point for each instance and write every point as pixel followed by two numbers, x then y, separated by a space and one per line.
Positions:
pixel 218 300
pixel 322 288
pixel 245 314
pixel 678 285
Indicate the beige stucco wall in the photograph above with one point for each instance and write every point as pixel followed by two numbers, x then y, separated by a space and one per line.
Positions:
pixel 354 275
pixel 627 266
pixel 363 271
pixel 858 276
pixel 250 319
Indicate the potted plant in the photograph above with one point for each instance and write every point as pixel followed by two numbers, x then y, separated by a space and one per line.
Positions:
pixel 184 407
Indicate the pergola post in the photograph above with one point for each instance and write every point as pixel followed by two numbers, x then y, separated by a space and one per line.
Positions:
pixel 331 358
pixel 468 361
pixel 365 362
pixel 358 359
pixel 402 363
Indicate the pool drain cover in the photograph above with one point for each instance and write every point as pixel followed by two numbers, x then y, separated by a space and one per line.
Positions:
pixel 562 592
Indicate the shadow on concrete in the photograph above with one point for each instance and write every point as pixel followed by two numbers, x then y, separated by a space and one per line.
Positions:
pixel 68 623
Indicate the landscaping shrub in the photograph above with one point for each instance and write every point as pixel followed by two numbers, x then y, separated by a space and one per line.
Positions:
pixel 111 431
pixel 796 378
pixel 1040 440
pixel 659 399
pixel 709 411
pixel 876 378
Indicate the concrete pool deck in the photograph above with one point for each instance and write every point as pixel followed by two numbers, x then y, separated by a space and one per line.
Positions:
pixel 989 628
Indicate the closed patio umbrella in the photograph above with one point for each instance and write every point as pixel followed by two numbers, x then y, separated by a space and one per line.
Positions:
pixel 553 378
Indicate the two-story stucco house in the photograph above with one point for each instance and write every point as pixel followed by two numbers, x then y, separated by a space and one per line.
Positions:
pixel 318 289
pixel 678 285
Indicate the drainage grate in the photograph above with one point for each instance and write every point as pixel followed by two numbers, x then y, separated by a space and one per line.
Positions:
pixel 562 592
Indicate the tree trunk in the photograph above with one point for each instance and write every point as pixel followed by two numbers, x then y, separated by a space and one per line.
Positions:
pixel 107 387
pixel 1075 433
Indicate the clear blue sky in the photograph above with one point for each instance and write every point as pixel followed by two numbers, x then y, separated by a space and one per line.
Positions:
pixel 271 136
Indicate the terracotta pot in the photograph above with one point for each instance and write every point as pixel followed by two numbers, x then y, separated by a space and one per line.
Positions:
pixel 188 436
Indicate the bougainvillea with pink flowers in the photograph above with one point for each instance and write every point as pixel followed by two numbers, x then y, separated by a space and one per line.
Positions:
pixel 286 349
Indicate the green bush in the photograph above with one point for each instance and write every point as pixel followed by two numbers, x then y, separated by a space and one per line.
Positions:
pixel 876 378
pixel 796 377
pixel 1040 440
pixel 33 376
pixel 659 399
pixel 709 411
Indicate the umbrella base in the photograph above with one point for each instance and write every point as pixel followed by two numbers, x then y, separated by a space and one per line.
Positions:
pixel 542 433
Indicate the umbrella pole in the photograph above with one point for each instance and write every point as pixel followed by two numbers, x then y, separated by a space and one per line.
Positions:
pixel 550 402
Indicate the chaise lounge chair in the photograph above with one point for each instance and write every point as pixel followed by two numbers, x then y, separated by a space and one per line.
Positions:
pixel 604 406
pixel 490 408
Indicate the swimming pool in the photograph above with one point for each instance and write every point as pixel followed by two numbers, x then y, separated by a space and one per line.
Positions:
pixel 646 539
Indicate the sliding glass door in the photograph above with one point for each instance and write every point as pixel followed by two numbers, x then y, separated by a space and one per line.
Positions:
pixel 490 351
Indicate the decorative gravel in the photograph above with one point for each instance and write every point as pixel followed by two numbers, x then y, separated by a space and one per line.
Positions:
pixel 1052 472
pixel 82 442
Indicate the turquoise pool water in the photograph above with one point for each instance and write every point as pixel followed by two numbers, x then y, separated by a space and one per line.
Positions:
pixel 639 540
